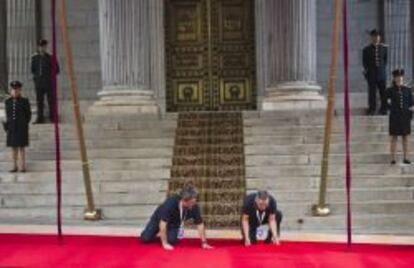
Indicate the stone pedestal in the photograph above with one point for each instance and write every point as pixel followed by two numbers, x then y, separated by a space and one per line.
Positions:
pixel 288 43
pixel 126 45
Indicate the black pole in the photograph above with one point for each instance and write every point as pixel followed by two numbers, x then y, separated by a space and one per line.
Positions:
pixel 38 19
pixel 3 47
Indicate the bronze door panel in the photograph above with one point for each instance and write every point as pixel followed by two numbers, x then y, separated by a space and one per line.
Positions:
pixel 210 56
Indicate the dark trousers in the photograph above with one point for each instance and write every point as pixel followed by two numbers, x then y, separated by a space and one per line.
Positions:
pixel 372 96
pixel 151 230
pixel 41 93
pixel 253 228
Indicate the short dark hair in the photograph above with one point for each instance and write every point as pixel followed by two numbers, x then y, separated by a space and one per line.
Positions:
pixel 188 193
pixel 262 195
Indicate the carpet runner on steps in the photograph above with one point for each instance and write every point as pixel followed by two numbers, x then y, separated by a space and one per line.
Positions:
pixel 209 155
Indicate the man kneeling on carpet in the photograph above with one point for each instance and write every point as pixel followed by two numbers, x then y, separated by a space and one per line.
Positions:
pixel 260 219
pixel 167 222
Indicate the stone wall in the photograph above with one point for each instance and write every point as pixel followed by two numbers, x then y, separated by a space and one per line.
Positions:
pixel 84 33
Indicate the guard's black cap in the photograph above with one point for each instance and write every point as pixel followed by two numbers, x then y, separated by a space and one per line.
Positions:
pixel 16 85
pixel 374 32
pixel 42 42
pixel 398 72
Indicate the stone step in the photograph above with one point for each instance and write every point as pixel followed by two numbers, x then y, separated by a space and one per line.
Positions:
pixel 219 140
pixel 115 143
pixel 75 212
pixel 308 118
pixel 98 164
pixel 312 183
pixel 98 154
pixel 315 159
pixel 144 175
pixel 201 171
pixel 299 149
pixel 27 200
pixel 77 187
pixel 211 182
pixel 294 139
pixel 358 194
pixel 215 160
pixel 314 170
pixel 311 129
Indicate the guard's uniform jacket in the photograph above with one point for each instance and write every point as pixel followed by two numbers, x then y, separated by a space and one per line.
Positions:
pixel 18 115
pixel 400 101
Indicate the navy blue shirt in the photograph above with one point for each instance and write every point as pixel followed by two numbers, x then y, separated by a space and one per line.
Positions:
pixel 249 208
pixel 169 211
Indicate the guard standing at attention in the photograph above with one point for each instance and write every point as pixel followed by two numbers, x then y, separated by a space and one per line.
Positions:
pixel 41 66
pixel 374 58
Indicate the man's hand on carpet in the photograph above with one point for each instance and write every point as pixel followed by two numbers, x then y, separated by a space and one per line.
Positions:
pixel 247 242
pixel 275 241
pixel 205 245
pixel 167 247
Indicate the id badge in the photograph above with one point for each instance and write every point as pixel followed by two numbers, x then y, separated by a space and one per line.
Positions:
pixel 262 232
pixel 181 233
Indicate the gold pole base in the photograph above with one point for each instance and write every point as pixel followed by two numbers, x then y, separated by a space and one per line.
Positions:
pixel 321 211
pixel 94 215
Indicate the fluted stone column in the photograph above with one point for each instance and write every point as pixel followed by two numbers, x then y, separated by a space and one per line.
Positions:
pixel 398 35
pixel 127 60
pixel 21 41
pixel 3 48
pixel 287 61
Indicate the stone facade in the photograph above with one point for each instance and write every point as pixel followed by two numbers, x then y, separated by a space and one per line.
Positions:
pixel 83 17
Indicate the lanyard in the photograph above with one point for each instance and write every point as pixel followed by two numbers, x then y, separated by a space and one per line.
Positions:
pixel 182 215
pixel 260 216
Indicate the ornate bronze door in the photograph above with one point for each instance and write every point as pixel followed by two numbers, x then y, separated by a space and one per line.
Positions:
pixel 210 55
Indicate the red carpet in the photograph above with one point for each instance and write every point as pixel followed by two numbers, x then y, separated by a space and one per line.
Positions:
pixel 77 251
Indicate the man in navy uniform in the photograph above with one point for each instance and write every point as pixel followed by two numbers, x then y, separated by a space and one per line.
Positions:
pixel 374 58
pixel 260 219
pixel 41 66
pixel 167 222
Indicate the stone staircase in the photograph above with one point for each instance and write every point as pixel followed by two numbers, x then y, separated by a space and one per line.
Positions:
pixel 283 155
pixel 132 162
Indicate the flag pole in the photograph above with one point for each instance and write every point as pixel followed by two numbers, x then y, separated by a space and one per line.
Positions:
pixel 322 209
pixel 91 212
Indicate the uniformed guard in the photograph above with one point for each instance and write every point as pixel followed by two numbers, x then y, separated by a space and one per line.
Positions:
pixel 260 219
pixel 41 66
pixel 400 100
pixel 18 115
pixel 168 220
pixel 374 58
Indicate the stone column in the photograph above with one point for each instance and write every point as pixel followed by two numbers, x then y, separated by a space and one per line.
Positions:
pixel 287 38
pixel 21 41
pixel 398 36
pixel 125 39
pixel 3 48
